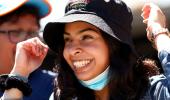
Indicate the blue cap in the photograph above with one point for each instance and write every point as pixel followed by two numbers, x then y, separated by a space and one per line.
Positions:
pixel 7 6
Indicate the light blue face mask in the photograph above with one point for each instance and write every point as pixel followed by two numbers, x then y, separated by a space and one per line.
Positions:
pixel 97 83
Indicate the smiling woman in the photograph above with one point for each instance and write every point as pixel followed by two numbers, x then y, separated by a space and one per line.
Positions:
pixel 96 56
pixel 83 50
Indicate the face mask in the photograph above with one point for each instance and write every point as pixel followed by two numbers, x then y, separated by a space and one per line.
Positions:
pixel 97 83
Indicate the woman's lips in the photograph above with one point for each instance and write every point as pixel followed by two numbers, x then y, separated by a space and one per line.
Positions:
pixel 81 65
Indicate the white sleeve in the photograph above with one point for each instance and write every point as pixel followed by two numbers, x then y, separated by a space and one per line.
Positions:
pixel 52 96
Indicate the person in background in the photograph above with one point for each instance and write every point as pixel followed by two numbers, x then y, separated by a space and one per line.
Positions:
pixel 96 55
pixel 158 34
pixel 20 20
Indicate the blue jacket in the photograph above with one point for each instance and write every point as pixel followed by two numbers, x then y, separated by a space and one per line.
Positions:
pixel 160 84
pixel 41 82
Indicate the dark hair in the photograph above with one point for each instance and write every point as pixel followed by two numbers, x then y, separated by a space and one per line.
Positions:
pixel 129 73
pixel 16 14
pixel 129 76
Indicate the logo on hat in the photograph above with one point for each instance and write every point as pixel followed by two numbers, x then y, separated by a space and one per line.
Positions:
pixel 77 5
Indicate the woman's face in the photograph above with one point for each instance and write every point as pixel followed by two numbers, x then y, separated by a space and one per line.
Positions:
pixel 85 50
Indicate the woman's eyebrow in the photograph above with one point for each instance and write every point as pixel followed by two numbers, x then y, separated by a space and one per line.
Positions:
pixel 88 29
pixel 66 33
pixel 81 31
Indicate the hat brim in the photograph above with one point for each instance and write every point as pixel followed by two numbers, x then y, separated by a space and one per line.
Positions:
pixel 53 31
pixel 7 6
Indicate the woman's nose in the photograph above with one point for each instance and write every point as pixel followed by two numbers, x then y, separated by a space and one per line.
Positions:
pixel 75 48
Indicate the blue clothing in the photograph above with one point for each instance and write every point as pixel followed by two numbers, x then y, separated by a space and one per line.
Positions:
pixel 160 84
pixel 41 82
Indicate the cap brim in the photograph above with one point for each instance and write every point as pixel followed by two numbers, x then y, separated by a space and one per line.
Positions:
pixel 53 32
pixel 7 6
pixel 42 5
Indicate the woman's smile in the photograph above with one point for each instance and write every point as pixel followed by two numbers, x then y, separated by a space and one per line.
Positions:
pixel 83 50
pixel 81 65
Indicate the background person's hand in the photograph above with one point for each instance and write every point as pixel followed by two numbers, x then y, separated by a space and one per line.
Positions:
pixel 29 56
pixel 153 17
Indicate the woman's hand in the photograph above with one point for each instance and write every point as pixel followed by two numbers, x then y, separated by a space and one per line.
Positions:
pixel 153 17
pixel 29 56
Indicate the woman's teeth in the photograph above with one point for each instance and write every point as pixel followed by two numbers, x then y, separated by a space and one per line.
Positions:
pixel 81 63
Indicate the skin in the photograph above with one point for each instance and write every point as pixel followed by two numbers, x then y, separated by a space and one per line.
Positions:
pixel 102 94
pixel 155 20
pixel 31 53
pixel 7 52
pixel 84 44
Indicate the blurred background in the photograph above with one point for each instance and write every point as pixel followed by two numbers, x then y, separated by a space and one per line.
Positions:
pixel 143 46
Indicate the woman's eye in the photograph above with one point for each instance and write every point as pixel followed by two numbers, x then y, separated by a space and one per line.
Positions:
pixel 67 40
pixel 87 37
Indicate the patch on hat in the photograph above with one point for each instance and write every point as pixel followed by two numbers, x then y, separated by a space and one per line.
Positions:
pixel 77 5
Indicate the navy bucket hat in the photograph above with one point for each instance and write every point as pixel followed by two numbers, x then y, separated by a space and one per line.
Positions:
pixel 7 6
pixel 111 16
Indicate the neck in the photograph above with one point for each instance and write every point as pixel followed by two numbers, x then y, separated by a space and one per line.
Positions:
pixel 102 94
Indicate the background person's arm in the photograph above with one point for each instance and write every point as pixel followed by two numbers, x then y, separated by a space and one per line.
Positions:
pixel 12 94
pixel 158 34
pixel 29 56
